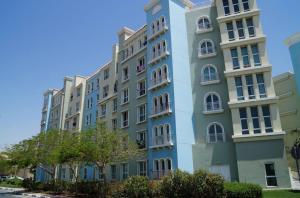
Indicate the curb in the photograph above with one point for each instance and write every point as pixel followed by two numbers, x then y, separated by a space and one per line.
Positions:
pixel 35 195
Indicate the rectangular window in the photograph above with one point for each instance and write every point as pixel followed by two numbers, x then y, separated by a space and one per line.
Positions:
pixel 106 74
pixel 236 6
pixel 251 28
pixel 261 85
pixel 239 88
pixel 141 113
pixel 141 139
pixel 255 54
pixel 230 31
pixel 124 171
pixel 235 58
pixel 115 105
pixel 125 119
pixel 92 86
pixel 226 7
pixel 270 175
pixel 125 74
pixel 125 96
pixel 246 5
pixel 141 88
pixel 113 172
pixel 77 106
pixel 78 91
pixel 114 124
pixel 267 118
pixel 105 91
pixel 103 110
pixel 250 87
pixel 245 56
pixel 141 65
pixel 244 121
pixel 142 168
pixel 255 120
pixel 240 28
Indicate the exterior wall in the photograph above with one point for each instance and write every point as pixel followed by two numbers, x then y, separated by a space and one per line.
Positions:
pixel 289 107
pixel 46 111
pixel 206 154
pixel 294 46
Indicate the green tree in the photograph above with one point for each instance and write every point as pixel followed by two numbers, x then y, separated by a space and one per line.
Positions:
pixel 102 146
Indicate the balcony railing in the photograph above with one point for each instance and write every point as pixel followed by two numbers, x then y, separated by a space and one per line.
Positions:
pixel 162 141
pixel 158 56
pixel 159 81
pixel 158 174
pixel 161 110
pixel 213 107
pixel 162 30
pixel 140 68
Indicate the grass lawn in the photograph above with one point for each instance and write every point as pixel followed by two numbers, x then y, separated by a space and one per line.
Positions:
pixel 281 194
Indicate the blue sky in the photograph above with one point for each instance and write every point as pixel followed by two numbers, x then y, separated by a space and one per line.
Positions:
pixel 43 41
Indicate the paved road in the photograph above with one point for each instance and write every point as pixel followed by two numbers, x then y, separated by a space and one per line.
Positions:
pixel 10 194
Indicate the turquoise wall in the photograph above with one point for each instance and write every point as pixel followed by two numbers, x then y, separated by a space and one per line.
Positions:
pixel 295 55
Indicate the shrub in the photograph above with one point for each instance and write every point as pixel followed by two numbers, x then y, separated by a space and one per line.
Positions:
pixel 136 186
pixel 178 184
pixel 207 185
pixel 237 190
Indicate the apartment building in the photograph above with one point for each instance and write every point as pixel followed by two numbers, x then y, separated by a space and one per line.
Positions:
pixel 193 88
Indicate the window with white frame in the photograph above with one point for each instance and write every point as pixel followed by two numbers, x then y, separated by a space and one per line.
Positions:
pixel 261 85
pixel 256 55
pixel 141 113
pixel 271 178
pixel 236 6
pixel 239 88
pixel 230 31
pixel 245 56
pixel 160 75
pixel 103 110
pixel 250 26
pixel 267 118
pixel 141 88
pixel 106 74
pixel 124 171
pixel 244 121
pixel 161 104
pixel 125 96
pixel 142 168
pixel 207 48
pixel 255 119
pixel 226 7
pixel 141 139
pixel 235 58
pixel 215 132
pixel 162 135
pixel 240 28
pixel 115 104
pixel 212 102
pixel 141 65
pixel 113 172
pixel 124 119
pixel 105 91
pixel 162 167
pixel 125 74
pixel 204 24
pixel 246 5
pixel 250 87
pixel 114 124
pixel 209 73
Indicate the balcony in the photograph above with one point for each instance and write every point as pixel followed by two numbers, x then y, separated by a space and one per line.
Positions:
pixel 159 82
pixel 140 93
pixel 140 69
pixel 161 110
pixel 213 108
pixel 157 58
pixel 162 141
pixel 161 31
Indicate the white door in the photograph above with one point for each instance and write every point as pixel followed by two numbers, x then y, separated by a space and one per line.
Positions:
pixel 223 170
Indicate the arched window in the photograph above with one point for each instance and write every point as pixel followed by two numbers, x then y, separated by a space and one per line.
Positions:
pixel 212 102
pixel 215 133
pixel 207 48
pixel 204 24
pixel 209 73
pixel 163 21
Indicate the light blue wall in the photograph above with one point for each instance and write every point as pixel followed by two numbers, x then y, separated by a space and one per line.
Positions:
pixel 295 55
pixel 49 110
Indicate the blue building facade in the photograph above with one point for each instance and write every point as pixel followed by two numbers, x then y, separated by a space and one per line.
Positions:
pixel 294 46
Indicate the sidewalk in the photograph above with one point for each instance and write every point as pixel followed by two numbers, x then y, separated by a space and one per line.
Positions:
pixel 21 191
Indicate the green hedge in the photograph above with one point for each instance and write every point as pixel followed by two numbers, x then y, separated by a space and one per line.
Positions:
pixel 242 190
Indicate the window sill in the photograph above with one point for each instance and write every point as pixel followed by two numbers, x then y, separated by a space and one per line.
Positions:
pixel 124 127
pixel 165 82
pixel 142 122
pixel 124 81
pixel 170 144
pixel 161 113
pixel 140 72
pixel 213 112
pixel 204 31
pixel 158 59
pixel 207 55
pixel 138 97
pixel 124 103
pixel 210 82
pixel 157 34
